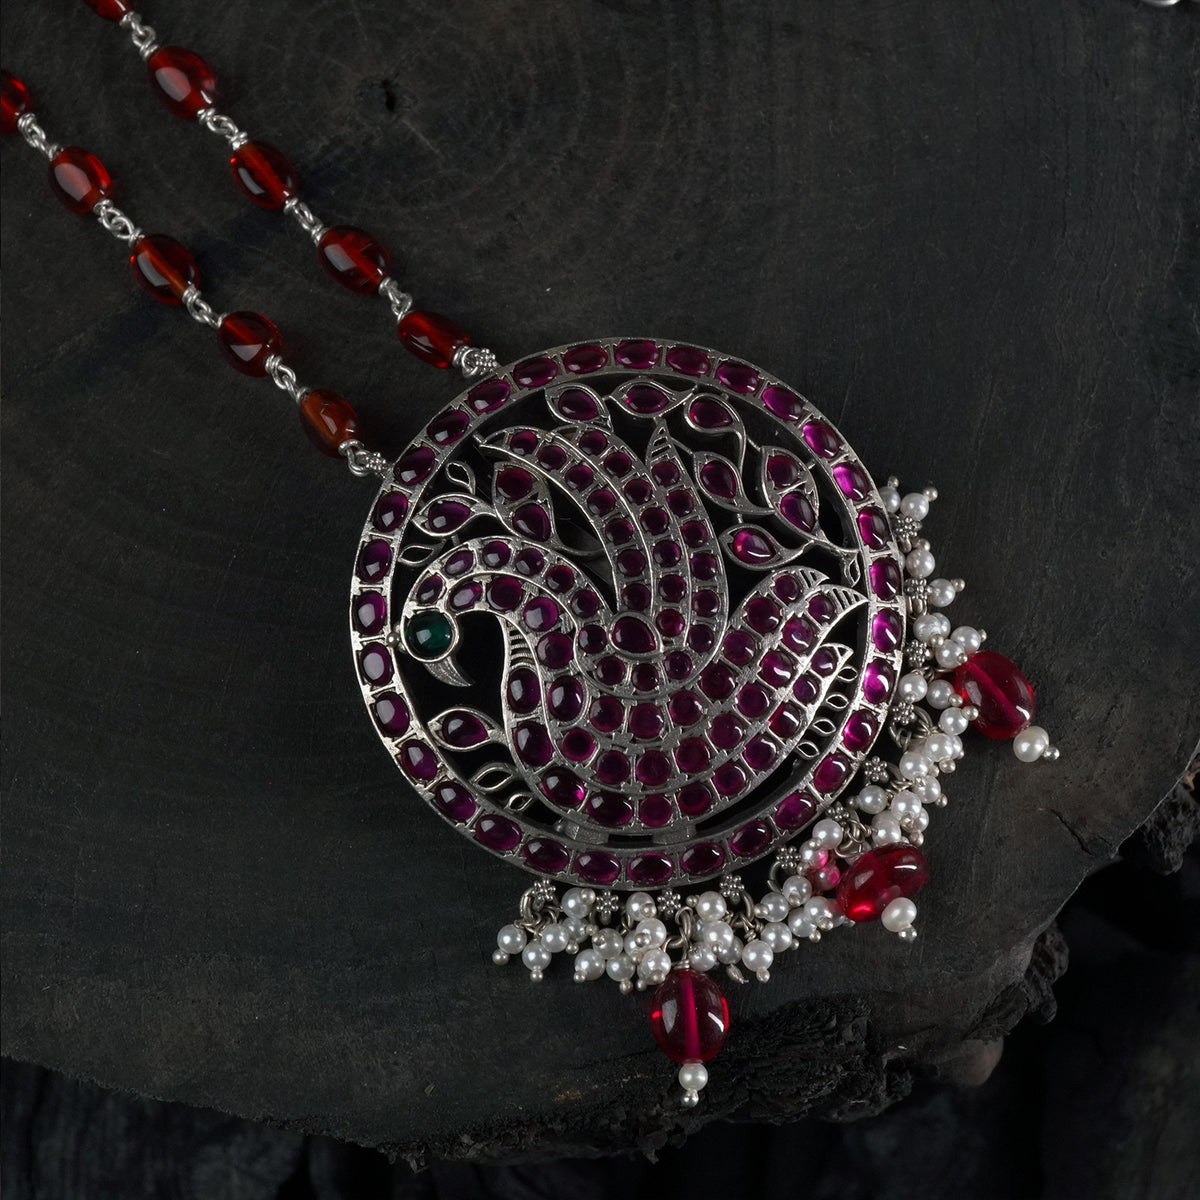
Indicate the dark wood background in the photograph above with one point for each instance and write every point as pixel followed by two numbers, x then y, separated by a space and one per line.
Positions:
pixel 967 231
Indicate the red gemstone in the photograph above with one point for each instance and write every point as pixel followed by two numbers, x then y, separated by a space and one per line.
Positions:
pixel 164 267
pixel 689 1017
pixel 873 880
pixel 431 337
pixel 995 686
pixel 185 83
pixel 110 10
pixel 598 866
pixel 496 832
pixel 582 360
pixel 247 340
pixel 547 855
pixel 15 101
pixel 650 870
pixel 703 858
pixel 328 421
pixel 79 179
pixel 264 173
pixel 636 354
pixel 354 258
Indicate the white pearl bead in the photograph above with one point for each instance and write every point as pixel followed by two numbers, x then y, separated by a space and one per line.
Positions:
pixel 554 938
pixel 576 928
pixel 812 855
pixel 914 765
pixel 905 804
pixel 730 954
pixel 828 833
pixel 800 925
pixel 940 694
pixel 639 905
pixel 920 563
pixel 608 943
pixel 777 935
pixel 1030 744
pixel 775 907
pixel 956 745
pixel 915 505
pixel 898 915
pixel 693 1076
pixel 890 498
pixel 621 967
pixel 796 889
pixel 940 746
pixel 949 655
pixel 589 964
pixel 941 593
pixel 885 830
pixel 927 789
pixel 511 939
pixel 953 721
pixel 577 902
pixel 710 906
pixel 701 958
pixel 968 637
pixel 757 955
pixel 717 934
pixel 535 956
pixel 499 957
pixel 912 686
pixel 655 966
pixel 821 912
pixel 920 822
pixel 930 625
pixel 872 799
pixel 652 931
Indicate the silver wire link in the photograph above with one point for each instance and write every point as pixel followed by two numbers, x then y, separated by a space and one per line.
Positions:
pixel 305 218
pixel 144 39
pixel 222 126
pixel 116 222
pixel 35 135
pixel 283 377
pixel 199 309
pixel 362 461
pixel 398 299
pixel 474 361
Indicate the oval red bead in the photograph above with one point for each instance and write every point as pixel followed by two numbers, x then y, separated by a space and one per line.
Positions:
pixel 995 686
pixel 164 267
pixel 184 82
pixel 247 340
pixel 79 179
pixel 328 421
pixel 264 173
pixel 431 337
pixel 689 1017
pixel 15 101
pixel 354 258
pixel 110 10
pixel 873 880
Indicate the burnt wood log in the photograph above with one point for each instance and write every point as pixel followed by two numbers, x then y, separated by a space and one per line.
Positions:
pixel 968 232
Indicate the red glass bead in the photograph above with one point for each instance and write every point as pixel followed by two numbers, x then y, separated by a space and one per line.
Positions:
pixel 79 179
pixel 164 267
pixel 689 1017
pixel 247 340
pixel 354 258
pixel 873 880
pixel 995 686
pixel 15 101
pixel 110 10
pixel 185 83
pixel 328 421
pixel 431 337
pixel 264 174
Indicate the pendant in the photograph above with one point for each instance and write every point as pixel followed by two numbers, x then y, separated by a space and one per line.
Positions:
pixel 632 615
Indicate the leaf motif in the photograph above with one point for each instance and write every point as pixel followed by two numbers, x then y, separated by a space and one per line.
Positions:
pixel 575 403
pixel 780 471
pixel 518 802
pixel 447 514
pixel 646 398
pixel 752 546
pixel 464 729
pixel 493 777
pixel 708 414
pixel 416 554
pixel 720 480
pixel 461 473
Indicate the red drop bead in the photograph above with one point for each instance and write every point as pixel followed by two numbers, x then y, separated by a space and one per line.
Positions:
pixel 995 686
pixel 79 179
pixel 431 337
pixel 110 10
pixel 328 421
pixel 164 267
pixel 247 340
pixel 873 880
pixel 264 174
pixel 185 83
pixel 689 1017
pixel 354 258
pixel 15 102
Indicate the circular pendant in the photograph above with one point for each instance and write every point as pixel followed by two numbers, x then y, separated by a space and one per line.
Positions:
pixel 628 613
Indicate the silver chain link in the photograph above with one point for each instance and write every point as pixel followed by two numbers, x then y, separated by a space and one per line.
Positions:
pixel 284 378
pixel 144 39
pixel 222 126
pixel 35 135
pixel 305 218
pixel 200 310
pixel 116 222
pixel 362 461
pixel 398 299
pixel 474 361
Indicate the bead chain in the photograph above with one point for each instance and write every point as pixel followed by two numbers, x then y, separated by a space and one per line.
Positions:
pixel 357 260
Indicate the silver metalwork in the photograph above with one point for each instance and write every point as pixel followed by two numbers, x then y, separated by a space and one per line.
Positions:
pixel 306 219
pixel 398 300
pixel 223 126
pixel 35 135
pixel 116 222
pixel 475 361
pixel 362 461
pixel 143 37
pixel 284 378
pixel 199 309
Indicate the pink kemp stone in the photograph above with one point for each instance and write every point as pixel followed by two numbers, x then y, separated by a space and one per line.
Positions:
pixel 995 686
pixel 833 771
pixel 859 731
pixel 545 854
pixel 650 870
pixel 875 879
pixel 497 832
pixel 637 354
pixel 689 1017
pixel 795 811
pixel 702 858
pixel 597 866
pixel 751 840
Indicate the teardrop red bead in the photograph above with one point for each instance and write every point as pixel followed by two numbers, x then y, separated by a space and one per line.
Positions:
pixel 873 880
pixel 164 267
pixel 995 686
pixel 689 1017
pixel 183 81
pixel 328 421
pixel 79 179
pixel 431 337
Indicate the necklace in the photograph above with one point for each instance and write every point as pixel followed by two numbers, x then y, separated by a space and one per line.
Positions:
pixel 630 614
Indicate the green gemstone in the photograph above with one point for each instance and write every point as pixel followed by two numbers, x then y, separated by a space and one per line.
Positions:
pixel 429 633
